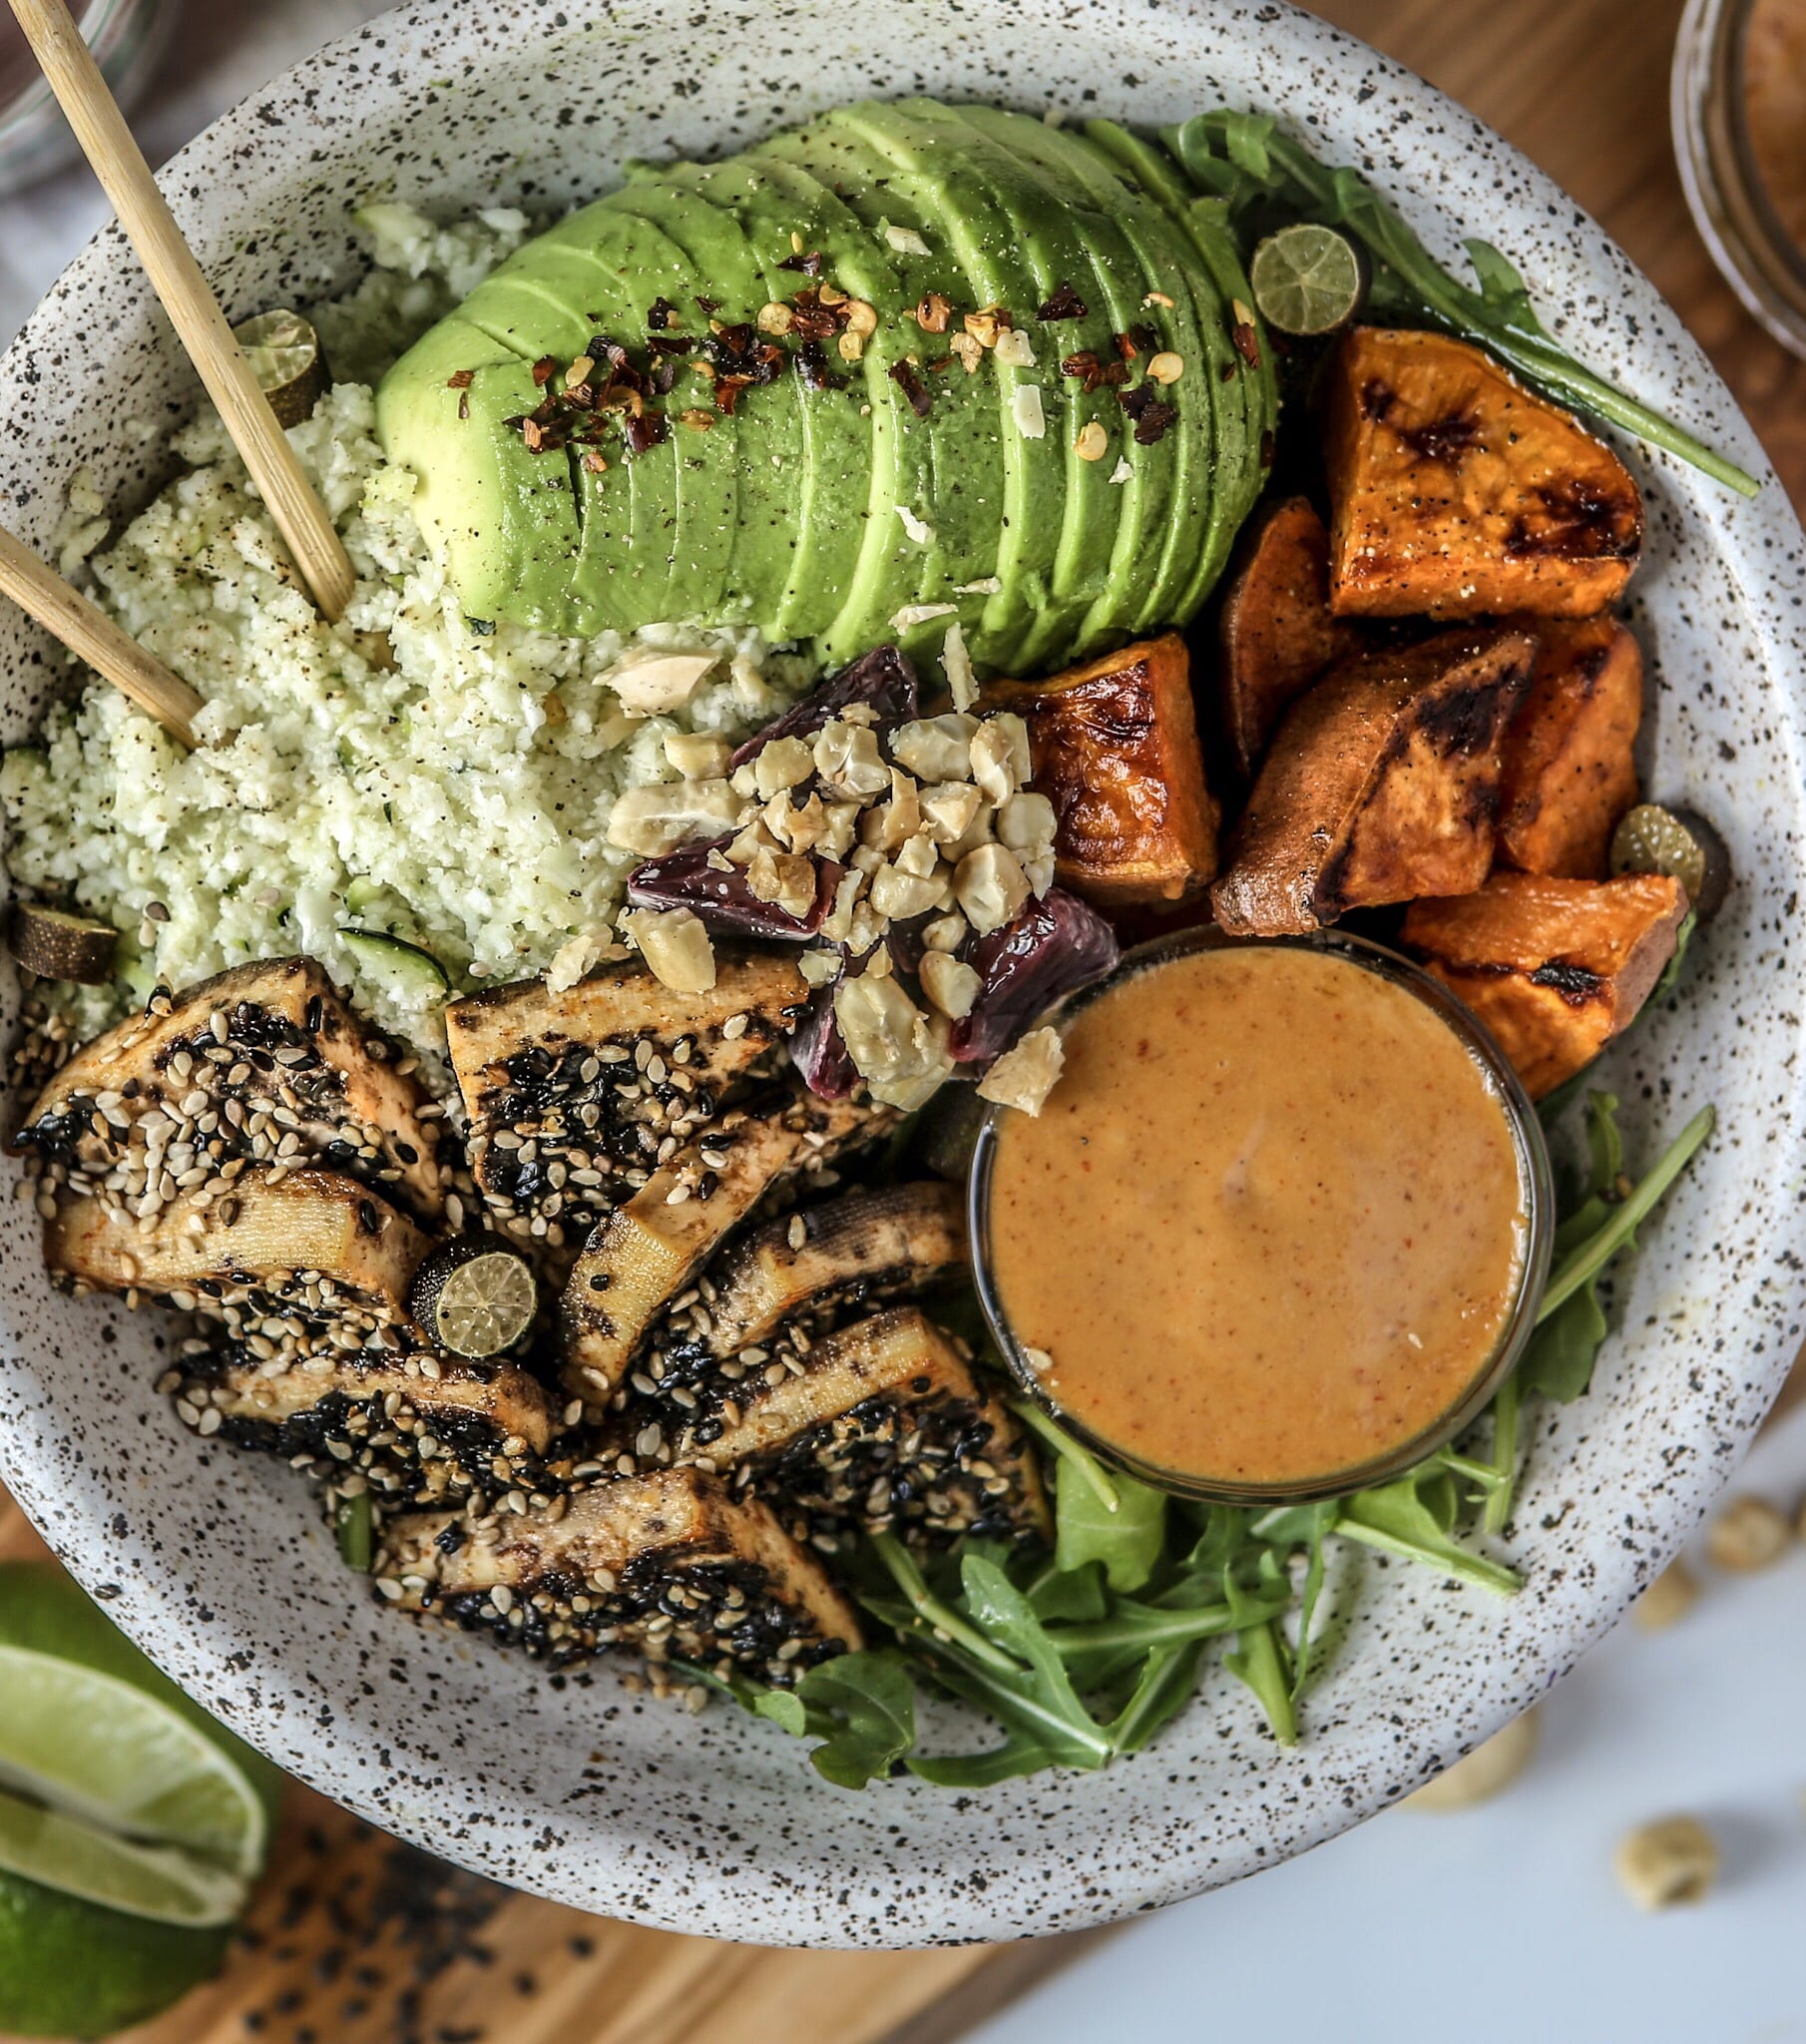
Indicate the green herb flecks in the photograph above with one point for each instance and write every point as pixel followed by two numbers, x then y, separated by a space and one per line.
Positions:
pixel 1245 162
pixel 353 1526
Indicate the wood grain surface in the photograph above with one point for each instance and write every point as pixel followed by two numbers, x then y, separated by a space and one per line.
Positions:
pixel 355 1940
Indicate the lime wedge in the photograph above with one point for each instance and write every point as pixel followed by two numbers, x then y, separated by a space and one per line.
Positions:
pixel 160 1883
pixel 112 1759
pixel 473 1297
pixel 1307 278
pixel 284 355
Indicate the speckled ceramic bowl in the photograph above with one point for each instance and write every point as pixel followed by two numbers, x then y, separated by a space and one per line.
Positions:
pixel 577 1788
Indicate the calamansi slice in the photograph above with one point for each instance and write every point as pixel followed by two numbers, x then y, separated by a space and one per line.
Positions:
pixel 1307 278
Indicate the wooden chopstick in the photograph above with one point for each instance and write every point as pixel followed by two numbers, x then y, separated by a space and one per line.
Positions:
pixel 194 311
pixel 92 635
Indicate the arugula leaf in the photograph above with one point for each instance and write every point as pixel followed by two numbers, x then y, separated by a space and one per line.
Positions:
pixel 1305 1526
pixel 1580 1264
pixel 1246 159
pixel 1128 1540
pixel 1076 1594
pixel 1259 1658
pixel 861 1707
pixel 1411 1518
pixel 1073 1453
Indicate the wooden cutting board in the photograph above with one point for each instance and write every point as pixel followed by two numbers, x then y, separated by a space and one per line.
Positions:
pixel 356 1940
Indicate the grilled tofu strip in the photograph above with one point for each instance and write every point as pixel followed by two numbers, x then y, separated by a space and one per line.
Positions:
pixel 287 1235
pixel 235 1068
pixel 667 1562
pixel 421 1430
pixel 882 1424
pixel 858 1248
pixel 642 1254
pixel 570 1094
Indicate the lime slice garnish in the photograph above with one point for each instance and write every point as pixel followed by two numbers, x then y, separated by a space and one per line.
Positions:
pixel 115 1761
pixel 284 355
pixel 161 1882
pixel 1652 840
pixel 1306 279
pixel 473 1298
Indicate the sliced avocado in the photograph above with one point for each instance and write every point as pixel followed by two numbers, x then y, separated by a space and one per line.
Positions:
pixel 965 447
pixel 892 570
pixel 1131 247
pixel 1246 399
pixel 770 451
pixel 505 515
pixel 985 240
pixel 828 480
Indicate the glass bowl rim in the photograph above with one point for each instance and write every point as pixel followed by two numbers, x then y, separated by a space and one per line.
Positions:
pixel 1534 1174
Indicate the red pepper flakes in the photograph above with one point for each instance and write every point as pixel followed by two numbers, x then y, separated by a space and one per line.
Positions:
pixel 464 404
pixel 460 379
pixel 1247 343
pixel 1066 303
pixel 808 266
pixel 728 392
pixel 811 364
pixel 544 370
pixel 646 431
pixel 662 314
pixel 1093 374
pixel 1151 414
pixel 933 313
pixel 595 461
pixel 921 401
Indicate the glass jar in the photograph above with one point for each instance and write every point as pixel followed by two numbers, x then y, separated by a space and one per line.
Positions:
pixel 1738 105
pixel 1537 1193
pixel 127 38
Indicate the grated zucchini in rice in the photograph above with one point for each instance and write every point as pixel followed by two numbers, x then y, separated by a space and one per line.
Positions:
pixel 407 771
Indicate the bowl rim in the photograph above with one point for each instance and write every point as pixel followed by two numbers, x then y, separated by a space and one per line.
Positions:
pixel 1534 1178
pixel 901 1904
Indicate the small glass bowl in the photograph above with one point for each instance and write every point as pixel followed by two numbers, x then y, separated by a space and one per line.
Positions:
pixel 1719 172
pixel 1533 1176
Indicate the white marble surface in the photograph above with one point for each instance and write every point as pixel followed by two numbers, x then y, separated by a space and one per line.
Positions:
pixel 1498 1926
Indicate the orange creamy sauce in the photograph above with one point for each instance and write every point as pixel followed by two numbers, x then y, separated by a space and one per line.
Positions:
pixel 1774 79
pixel 1269 1224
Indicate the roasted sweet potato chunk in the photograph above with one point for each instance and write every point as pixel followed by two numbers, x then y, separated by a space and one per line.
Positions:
pixel 1554 968
pixel 1276 633
pixel 1115 750
pixel 1381 785
pixel 1569 773
pixel 1455 492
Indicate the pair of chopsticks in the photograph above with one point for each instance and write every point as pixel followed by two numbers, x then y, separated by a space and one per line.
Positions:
pixel 301 517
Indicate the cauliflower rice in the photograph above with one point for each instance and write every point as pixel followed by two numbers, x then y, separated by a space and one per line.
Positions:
pixel 443 779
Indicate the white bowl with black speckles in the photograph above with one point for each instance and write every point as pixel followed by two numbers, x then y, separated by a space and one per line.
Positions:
pixel 212 1561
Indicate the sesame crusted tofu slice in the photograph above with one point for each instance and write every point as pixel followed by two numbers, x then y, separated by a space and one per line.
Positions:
pixel 861 1246
pixel 882 1425
pixel 263 1063
pixel 572 1096
pixel 641 1255
pixel 669 1562
pixel 306 1238
pixel 420 1429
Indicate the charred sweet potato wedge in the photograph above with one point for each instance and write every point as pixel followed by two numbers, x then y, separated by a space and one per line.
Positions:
pixel 1554 968
pixel 1455 492
pixel 1115 750
pixel 1275 632
pixel 1381 785
pixel 1568 773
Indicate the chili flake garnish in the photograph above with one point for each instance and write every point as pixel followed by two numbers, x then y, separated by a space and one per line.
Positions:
pixel 1247 342
pixel 460 379
pixel 912 387
pixel 728 392
pixel 545 370
pixel 464 404
pixel 809 264
pixel 1151 414
pixel 645 432
pixel 1093 374
pixel 662 314
pixel 811 364
pixel 1066 303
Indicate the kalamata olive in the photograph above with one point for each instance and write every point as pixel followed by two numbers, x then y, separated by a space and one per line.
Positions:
pixel 882 679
